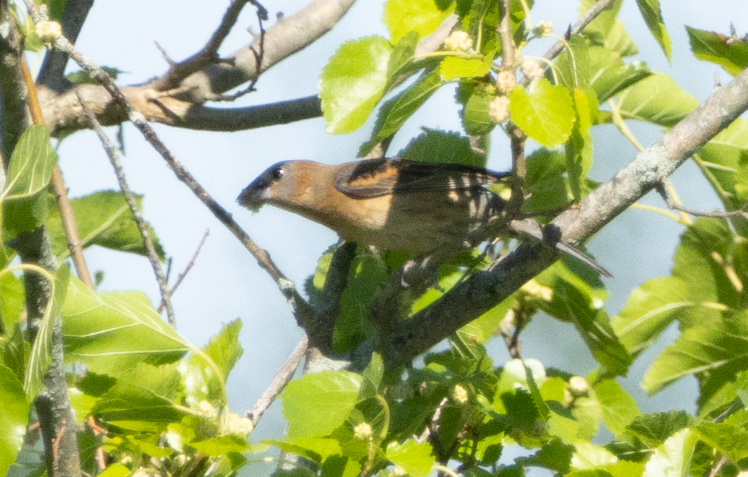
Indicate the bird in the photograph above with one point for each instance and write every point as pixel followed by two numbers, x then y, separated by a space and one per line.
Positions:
pixel 401 205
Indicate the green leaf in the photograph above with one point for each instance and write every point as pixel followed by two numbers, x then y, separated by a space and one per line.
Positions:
pixel 372 377
pixel 401 57
pixel 352 327
pixel 83 77
pixel 607 31
pixel 222 445
pixel 547 183
pixel 41 351
pixel 579 147
pixel 545 113
pixel 723 344
pixel 316 404
pixel 730 53
pixel 476 102
pixel 422 16
pixel 397 110
pixel 442 147
pixel 14 416
pixel 673 457
pixel 29 172
pixel 414 458
pixel 103 219
pixel 589 456
pixel 720 159
pixel 650 10
pixel 115 470
pixel 142 399
pixel 316 449
pixel 618 408
pixel 649 310
pixel 656 99
pixel 12 301
pixel 729 437
pixel 454 67
pixel 654 428
pixel 610 75
pixel 206 379
pixel 352 82
pixel 112 332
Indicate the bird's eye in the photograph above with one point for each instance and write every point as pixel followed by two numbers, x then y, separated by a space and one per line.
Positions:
pixel 277 173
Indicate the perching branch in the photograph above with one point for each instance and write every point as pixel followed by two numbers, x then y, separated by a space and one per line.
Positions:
pixel 482 291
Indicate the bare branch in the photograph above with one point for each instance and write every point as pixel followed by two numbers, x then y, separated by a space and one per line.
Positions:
pixel 186 270
pixel 113 153
pixel 286 37
pixel 208 55
pixel 279 382
pixel 661 189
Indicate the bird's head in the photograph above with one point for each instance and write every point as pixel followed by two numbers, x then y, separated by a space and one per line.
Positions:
pixel 265 187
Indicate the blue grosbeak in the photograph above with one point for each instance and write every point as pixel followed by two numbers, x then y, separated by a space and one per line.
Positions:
pixel 397 204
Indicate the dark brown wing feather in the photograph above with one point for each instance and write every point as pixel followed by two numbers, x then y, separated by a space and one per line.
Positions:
pixel 378 177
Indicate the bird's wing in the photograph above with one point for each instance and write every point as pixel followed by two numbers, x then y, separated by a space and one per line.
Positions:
pixel 378 177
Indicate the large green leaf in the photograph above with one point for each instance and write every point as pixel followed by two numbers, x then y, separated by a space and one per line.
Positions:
pixel 723 345
pixel 649 310
pixel 112 332
pixel 415 458
pixel 730 53
pixel 422 16
pixel 724 160
pixel 607 30
pixel 650 10
pixel 316 404
pixel 352 82
pixel 199 376
pixel 656 99
pixel 397 110
pixel 142 399
pixel 14 416
pixel 729 437
pixel 673 457
pixel 610 74
pixel 30 169
pixel 103 219
pixel 617 406
pixel 544 112
pixel 442 147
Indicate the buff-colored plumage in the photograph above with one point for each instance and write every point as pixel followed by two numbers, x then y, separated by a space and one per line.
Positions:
pixel 396 204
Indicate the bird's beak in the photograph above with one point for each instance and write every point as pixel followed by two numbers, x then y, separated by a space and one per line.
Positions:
pixel 253 197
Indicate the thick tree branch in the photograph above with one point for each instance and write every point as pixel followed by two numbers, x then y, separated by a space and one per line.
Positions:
pixel 482 291
pixel 283 39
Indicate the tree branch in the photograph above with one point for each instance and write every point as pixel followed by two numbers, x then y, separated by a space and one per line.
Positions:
pixel 482 291
pixel 283 39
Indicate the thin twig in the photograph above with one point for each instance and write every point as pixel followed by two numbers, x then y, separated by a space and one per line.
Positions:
pixel 279 382
pixel 580 25
pixel 303 310
pixel 662 189
pixel 113 153
pixel 209 54
pixel 259 56
pixel 67 216
pixel 186 269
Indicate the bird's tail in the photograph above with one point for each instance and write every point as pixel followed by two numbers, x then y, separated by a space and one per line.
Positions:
pixel 528 228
